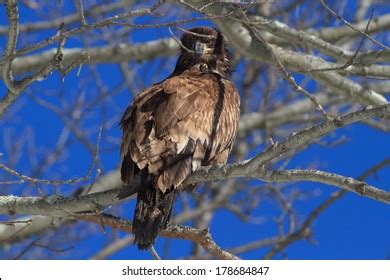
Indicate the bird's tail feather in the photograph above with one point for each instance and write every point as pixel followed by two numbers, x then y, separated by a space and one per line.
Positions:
pixel 152 213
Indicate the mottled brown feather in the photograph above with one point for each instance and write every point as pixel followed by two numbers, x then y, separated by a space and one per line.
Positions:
pixel 175 126
pixel 165 124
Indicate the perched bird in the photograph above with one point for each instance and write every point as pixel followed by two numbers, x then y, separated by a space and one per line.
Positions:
pixel 172 128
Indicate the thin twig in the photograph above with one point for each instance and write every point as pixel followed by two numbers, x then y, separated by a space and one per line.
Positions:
pixel 155 255
pixel 92 26
pixel 304 232
pixel 288 77
pixel 86 177
pixel 364 33
pixel 201 237
pixel 352 59
pixel 81 12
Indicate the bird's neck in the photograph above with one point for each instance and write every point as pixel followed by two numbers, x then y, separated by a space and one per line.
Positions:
pixel 216 66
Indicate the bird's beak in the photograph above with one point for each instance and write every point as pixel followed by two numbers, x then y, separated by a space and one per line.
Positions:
pixel 199 47
pixel 202 49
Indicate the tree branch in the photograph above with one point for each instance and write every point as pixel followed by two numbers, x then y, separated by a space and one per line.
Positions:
pixel 69 19
pixel 10 48
pixel 106 54
pixel 58 206
pixel 15 88
pixel 25 227
pixel 241 38
pixel 201 237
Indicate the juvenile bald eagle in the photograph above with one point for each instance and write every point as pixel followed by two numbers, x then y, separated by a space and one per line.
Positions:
pixel 172 128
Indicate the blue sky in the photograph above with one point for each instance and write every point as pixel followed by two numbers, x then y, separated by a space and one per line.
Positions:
pixel 352 228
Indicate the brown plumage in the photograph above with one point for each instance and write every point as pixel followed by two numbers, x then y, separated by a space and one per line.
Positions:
pixel 175 126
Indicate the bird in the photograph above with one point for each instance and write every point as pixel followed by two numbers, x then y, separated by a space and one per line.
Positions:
pixel 171 129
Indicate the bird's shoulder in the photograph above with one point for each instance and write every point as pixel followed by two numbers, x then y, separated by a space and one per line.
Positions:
pixel 190 96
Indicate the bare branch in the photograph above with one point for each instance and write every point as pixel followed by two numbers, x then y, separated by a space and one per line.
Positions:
pixel 86 177
pixel 20 229
pixel 68 19
pixel 304 232
pixel 106 54
pixel 333 34
pixel 16 88
pixel 10 49
pixel 201 237
pixel 334 69
pixel 81 12
pixel 364 33
pixel 60 206
pixel 240 37
pixel 92 26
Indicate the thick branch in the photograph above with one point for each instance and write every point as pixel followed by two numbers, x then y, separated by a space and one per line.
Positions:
pixel 241 37
pixel 307 39
pixel 332 34
pixel 30 225
pixel 201 237
pixel 294 141
pixel 107 54
pixel 60 206
pixel 68 19
pixel 346 183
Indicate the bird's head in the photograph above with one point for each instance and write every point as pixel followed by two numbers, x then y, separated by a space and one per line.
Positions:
pixel 206 47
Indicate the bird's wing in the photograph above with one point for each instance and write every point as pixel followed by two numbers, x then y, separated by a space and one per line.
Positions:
pixel 175 126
